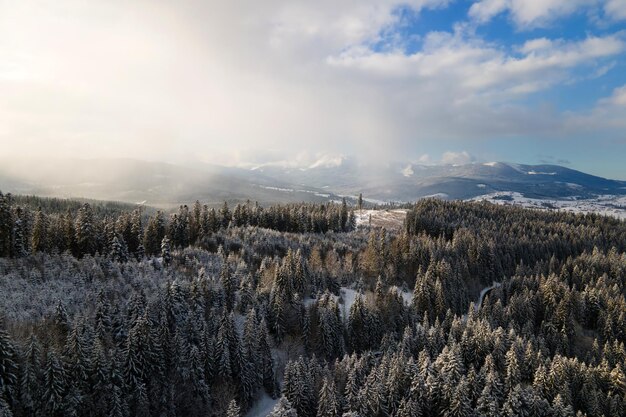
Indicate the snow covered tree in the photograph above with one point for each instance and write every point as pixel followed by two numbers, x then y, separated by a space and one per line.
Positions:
pixel 153 234
pixel 233 410
pixel 54 386
pixel 119 251
pixel 328 405
pixel 19 239
pixel 166 251
pixel 39 237
pixel 85 231
pixel 8 366
pixel 6 225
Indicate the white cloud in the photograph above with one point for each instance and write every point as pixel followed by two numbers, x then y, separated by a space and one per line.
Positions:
pixel 456 158
pixel 484 10
pixel 535 45
pixel 253 81
pixel 608 117
pixel 616 9
pixel 536 13
pixel 466 67
pixel 618 98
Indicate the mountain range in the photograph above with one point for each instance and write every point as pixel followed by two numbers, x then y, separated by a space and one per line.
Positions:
pixel 165 185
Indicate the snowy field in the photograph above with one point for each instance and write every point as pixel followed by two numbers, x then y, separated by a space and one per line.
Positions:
pixel 608 205
pixel 390 219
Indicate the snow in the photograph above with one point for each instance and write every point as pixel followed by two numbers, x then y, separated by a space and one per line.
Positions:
pixel 437 195
pixel 285 190
pixel 391 219
pixel 291 190
pixel 540 173
pixel 481 185
pixel 262 407
pixel 608 205
pixel 490 164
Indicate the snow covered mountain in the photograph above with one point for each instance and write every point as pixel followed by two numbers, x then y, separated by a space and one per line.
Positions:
pixel 162 184
pixel 407 182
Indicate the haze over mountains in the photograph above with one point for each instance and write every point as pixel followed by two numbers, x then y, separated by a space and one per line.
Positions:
pixel 164 184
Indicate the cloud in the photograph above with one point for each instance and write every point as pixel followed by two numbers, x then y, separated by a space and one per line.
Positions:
pixel 529 14
pixel 273 81
pixel 616 9
pixel 456 158
pixel 606 118
pixel 618 97
pixel 484 10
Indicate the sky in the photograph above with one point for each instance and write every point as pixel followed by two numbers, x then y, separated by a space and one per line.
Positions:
pixel 305 82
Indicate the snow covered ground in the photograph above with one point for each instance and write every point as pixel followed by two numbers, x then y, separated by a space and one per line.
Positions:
pixel 609 205
pixel 391 219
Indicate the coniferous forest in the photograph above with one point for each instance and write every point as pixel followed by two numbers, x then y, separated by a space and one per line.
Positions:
pixel 468 309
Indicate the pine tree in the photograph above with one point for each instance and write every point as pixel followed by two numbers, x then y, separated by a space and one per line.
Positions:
pixel 560 409
pixel 30 376
pixel 229 285
pixel 487 404
pixel 8 366
pixel 54 386
pixel 61 323
pixel 134 240
pixel 344 216
pixel 119 252
pixel 328 405
pixel 266 360
pixel 513 374
pixel 19 239
pixel 460 405
pixel 85 231
pixel 6 225
pixel 225 216
pixel 154 234
pixel 39 238
pixel 166 251
pixel 117 408
pixel 233 410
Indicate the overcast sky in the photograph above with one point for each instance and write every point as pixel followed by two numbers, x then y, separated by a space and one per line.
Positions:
pixel 246 82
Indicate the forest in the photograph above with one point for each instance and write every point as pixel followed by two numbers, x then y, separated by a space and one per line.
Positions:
pixel 113 310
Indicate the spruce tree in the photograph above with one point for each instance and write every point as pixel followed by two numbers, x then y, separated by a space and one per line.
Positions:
pixel 329 405
pixel 233 410
pixel 39 239
pixel 54 386
pixel 85 231
pixel 166 251
pixel 6 225
pixel 8 366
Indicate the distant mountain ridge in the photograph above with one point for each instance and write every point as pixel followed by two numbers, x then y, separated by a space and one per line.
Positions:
pixel 163 184
pixel 407 182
